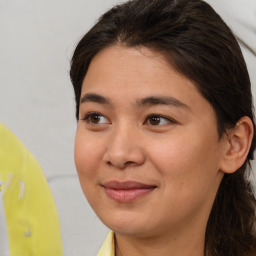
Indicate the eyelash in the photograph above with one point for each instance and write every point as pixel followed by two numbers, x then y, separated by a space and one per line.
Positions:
pixel 89 115
pixel 156 116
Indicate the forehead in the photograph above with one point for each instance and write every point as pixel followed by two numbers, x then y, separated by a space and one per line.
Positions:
pixel 128 67
pixel 125 74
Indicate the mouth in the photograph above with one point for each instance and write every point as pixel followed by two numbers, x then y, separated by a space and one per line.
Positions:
pixel 125 192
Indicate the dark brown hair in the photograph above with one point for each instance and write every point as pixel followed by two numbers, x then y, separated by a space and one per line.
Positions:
pixel 198 44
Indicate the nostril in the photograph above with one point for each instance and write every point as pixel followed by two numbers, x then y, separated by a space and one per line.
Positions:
pixel 122 165
pixel 129 163
pixel 121 154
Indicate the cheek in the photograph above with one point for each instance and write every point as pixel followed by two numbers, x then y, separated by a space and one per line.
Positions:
pixel 189 170
pixel 187 160
pixel 88 152
pixel 87 156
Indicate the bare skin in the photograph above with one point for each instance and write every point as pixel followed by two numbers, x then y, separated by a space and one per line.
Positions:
pixel 148 154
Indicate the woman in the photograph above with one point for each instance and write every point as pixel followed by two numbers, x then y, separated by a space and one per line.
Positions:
pixel 165 130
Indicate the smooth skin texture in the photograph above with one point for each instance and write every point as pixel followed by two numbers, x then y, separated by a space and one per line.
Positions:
pixel 177 150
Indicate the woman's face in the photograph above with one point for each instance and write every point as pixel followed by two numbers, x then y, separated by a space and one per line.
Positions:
pixel 147 149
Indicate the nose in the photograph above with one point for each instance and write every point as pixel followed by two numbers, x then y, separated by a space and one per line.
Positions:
pixel 124 149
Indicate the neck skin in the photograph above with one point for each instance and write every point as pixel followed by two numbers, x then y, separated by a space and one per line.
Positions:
pixel 186 240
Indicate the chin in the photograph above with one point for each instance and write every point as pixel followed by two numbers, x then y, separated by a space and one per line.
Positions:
pixel 127 224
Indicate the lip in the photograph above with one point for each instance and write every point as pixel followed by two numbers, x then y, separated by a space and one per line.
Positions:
pixel 128 191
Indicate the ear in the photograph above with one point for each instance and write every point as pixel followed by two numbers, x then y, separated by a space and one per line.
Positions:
pixel 238 144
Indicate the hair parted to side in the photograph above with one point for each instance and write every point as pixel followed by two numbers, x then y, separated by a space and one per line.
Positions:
pixel 198 44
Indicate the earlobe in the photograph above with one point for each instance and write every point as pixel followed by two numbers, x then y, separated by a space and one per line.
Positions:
pixel 238 144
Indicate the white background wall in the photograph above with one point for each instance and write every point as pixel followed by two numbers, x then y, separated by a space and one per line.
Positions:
pixel 37 38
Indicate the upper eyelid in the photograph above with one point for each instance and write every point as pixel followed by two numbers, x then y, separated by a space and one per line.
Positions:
pixel 87 116
pixel 84 116
pixel 92 113
pixel 162 116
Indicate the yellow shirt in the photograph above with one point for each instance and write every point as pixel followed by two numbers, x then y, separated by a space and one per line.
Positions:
pixel 31 215
pixel 108 247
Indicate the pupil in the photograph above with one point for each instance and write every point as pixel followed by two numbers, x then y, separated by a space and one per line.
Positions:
pixel 155 120
pixel 95 118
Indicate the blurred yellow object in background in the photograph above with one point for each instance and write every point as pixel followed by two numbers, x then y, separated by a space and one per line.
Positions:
pixel 31 215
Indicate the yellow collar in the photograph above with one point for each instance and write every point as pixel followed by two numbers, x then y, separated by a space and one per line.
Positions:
pixel 108 247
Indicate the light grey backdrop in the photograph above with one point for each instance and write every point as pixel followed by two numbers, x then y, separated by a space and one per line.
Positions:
pixel 37 38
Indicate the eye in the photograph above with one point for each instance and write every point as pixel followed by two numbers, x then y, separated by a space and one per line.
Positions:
pixel 158 120
pixel 95 118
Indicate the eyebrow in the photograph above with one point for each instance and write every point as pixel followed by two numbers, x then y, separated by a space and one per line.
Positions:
pixel 148 101
pixel 161 100
pixel 93 97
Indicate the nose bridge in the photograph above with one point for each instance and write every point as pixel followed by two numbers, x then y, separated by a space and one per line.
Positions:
pixel 123 147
